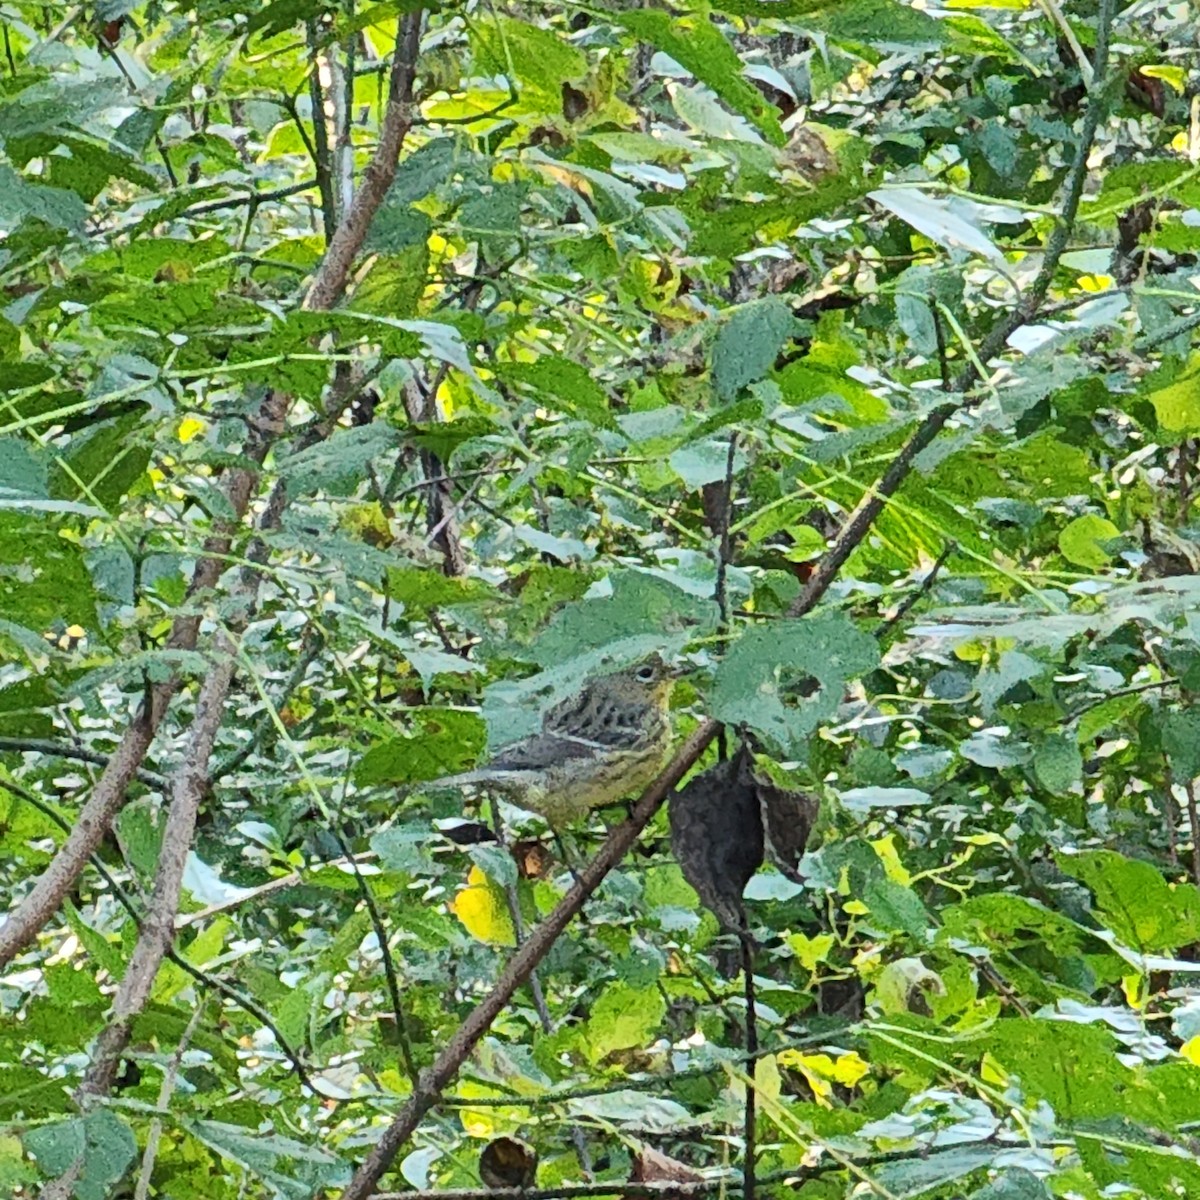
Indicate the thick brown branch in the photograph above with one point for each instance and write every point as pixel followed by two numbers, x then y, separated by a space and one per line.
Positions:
pixel 435 1078
pixel 44 899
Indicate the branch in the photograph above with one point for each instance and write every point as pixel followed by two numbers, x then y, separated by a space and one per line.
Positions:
pixel 331 277
pixel 253 199
pixel 44 898
pixel 158 925
pixel 52 749
pixel 622 838
pixel 468 1034
pixel 863 517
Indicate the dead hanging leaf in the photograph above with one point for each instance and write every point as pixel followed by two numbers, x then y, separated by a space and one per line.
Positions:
pixel 649 1166
pixel 1147 92
pixel 508 1162
pixel 717 838
pixel 787 817
pixel 724 821
pixel 467 833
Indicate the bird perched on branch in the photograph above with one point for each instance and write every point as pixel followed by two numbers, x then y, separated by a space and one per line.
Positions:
pixel 604 743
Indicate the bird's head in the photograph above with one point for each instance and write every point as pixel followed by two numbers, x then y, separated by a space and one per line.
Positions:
pixel 651 679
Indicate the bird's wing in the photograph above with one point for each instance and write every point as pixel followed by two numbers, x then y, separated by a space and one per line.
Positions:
pixel 541 751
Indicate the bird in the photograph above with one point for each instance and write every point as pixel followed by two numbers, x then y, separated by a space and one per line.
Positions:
pixel 607 741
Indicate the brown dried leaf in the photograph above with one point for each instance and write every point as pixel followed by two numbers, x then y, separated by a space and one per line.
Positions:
pixel 717 838
pixel 507 1162
pixel 650 1166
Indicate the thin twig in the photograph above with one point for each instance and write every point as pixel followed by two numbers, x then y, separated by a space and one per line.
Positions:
pixel 913 597
pixel 122 897
pixel 389 966
pixel 264 724
pixel 1193 812
pixel 750 1119
pixel 54 749
pixel 170 1075
pixel 43 899
pixel 322 159
pixel 253 199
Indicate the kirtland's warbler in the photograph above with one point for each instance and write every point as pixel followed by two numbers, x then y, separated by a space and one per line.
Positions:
pixel 606 742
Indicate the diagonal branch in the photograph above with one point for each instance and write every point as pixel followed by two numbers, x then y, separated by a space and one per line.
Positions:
pixel 851 535
pixel 158 925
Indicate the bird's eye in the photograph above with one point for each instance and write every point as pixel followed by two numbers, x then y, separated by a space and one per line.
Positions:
pixel 646 674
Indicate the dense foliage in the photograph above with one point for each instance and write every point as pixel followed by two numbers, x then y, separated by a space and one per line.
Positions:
pixel 657 299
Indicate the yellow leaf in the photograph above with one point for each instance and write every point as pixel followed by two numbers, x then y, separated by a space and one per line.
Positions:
pixel 1191 1050
pixel 767 1080
pixel 189 427
pixel 983 839
pixel 1134 987
pixel 849 1069
pixel 822 1072
pixel 856 908
pixel 885 847
pixel 811 951
pixel 990 1071
pixel 478 1122
pixel 1095 283
pixel 1169 74
pixel 483 909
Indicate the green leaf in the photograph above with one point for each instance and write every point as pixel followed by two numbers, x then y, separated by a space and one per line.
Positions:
pixel 623 1018
pixel 766 680
pixel 43 577
pixel 340 462
pixel 1136 902
pixel 103 463
pixel 639 607
pixel 1181 741
pixel 58 207
pixel 699 46
pixel 295 1170
pixel 707 461
pixel 1081 541
pixel 885 24
pixel 443 742
pixel 932 1170
pixel 1177 406
pixel 535 56
pixel 563 385
pixel 1015 1184
pixel 748 343
pixel 1008 921
pixel 23 473
pixel 1058 764
pixel 105 1142
pixel 420 589
pixel 1072 1067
